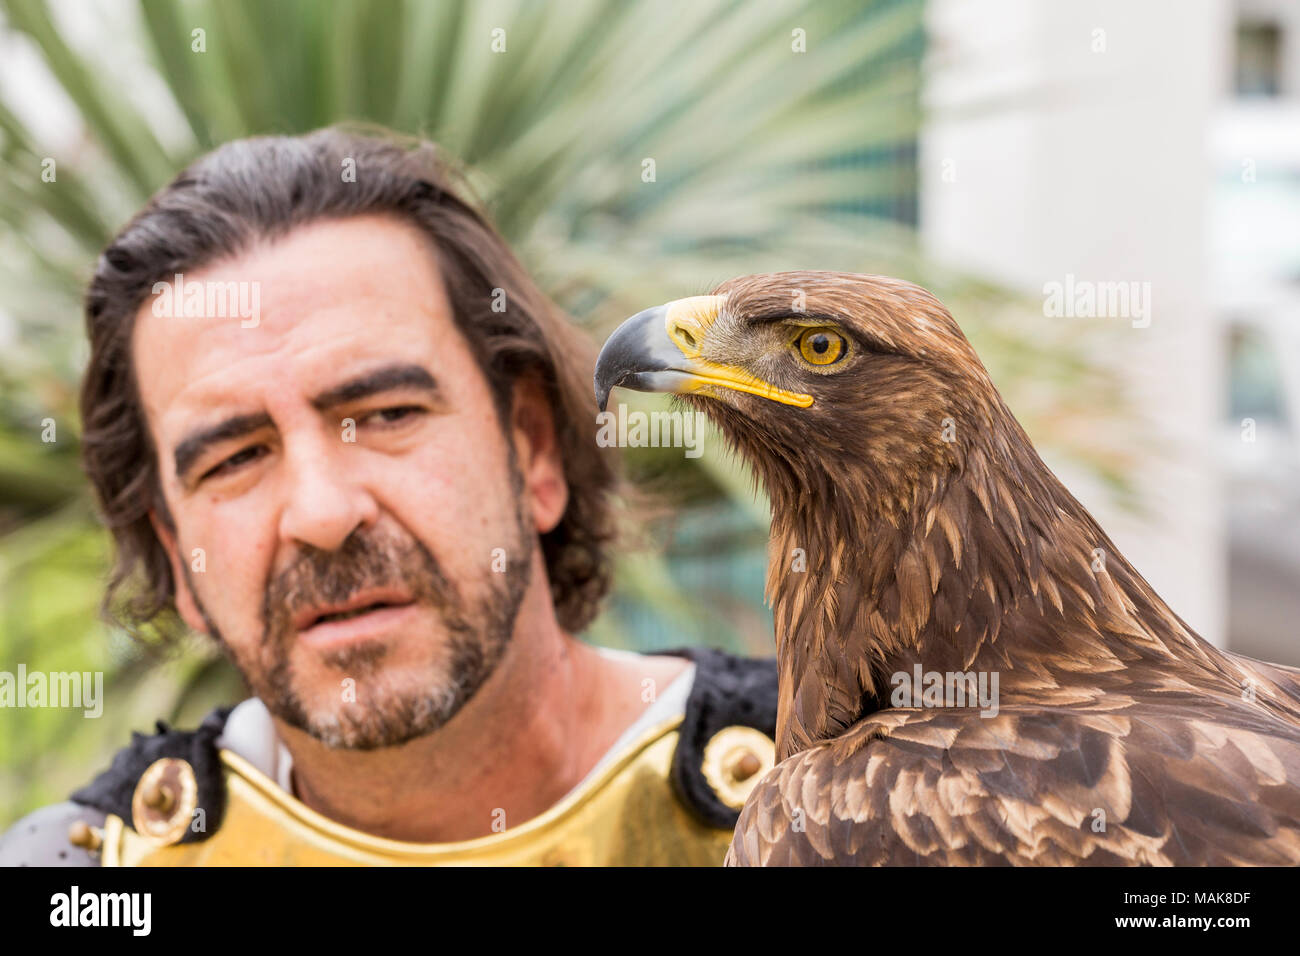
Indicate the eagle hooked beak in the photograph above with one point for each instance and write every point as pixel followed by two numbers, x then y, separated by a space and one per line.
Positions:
pixel 658 350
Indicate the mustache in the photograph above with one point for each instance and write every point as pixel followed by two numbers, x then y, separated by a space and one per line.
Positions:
pixel 366 560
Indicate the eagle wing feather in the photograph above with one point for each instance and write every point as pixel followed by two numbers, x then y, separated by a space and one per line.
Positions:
pixel 1033 786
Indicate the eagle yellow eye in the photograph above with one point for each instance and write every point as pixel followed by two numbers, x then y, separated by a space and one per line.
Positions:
pixel 822 346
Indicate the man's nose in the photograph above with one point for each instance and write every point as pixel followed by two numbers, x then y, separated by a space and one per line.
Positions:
pixel 325 501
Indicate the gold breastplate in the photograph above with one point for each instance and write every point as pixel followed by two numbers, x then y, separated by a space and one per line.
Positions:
pixel 626 815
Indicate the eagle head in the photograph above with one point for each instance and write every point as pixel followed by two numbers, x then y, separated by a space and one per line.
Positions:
pixel 818 378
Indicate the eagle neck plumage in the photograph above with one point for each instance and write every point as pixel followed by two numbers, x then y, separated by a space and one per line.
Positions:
pixel 989 567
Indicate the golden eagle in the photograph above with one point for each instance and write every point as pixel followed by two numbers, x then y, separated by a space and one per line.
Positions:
pixel 970 671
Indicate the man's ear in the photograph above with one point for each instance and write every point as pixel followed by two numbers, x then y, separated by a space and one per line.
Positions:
pixel 538 452
pixel 185 603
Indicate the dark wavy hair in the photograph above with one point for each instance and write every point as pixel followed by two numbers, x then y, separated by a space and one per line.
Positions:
pixel 261 188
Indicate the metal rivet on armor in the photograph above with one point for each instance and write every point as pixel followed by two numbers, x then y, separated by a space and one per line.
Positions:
pixel 735 759
pixel 82 834
pixel 164 801
pixel 746 765
pixel 157 797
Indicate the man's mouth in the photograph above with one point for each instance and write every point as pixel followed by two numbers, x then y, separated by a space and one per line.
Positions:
pixel 324 620
pixel 347 615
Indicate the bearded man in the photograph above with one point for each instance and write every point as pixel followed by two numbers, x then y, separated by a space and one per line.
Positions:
pixel 333 424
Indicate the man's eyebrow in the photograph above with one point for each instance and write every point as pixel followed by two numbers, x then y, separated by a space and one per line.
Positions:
pixel 189 450
pixel 399 375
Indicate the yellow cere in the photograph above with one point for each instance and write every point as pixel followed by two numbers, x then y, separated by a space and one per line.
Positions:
pixel 687 320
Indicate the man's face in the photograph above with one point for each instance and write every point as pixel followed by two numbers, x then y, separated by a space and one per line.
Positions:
pixel 340 483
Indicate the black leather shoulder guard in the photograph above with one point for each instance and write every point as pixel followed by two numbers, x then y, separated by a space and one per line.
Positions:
pixel 114 789
pixel 45 836
pixel 729 691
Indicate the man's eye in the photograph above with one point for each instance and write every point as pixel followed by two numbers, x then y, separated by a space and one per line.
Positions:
pixel 242 457
pixel 389 416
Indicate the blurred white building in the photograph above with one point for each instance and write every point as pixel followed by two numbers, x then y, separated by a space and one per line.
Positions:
pixel 1254 247
pixel 1114 141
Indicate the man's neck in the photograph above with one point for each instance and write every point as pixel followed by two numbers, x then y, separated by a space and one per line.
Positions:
pixel 530 734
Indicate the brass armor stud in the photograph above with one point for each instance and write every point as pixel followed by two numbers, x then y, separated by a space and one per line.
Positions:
pixel 164 801
pixel 82 834
pixel 735 759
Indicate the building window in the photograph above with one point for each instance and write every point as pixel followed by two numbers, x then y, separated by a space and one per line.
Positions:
pixel 1259 59
pixel 1254 378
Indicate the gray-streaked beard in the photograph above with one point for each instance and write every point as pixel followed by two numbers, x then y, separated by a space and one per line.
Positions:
pixel 477 636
